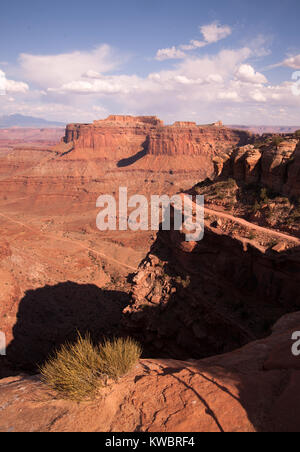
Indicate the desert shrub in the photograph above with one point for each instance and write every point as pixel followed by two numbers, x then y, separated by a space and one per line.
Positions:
pixel 258 143
pixel 252 235
pixel 272 243
pixel 74 370
pixel 77 371
pixel 297 134
pixel 223 190
pixel 231 183
pixel 227 184
pixel 221 196
pixel 256 207
pixel 230 205
pixel 118 356
pixel 294 216
pixel 264 195
pixel 185 283
pixel 277 140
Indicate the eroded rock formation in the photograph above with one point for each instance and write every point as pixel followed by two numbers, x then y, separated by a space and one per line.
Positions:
pixel 275 166
pixel 192 300
pixel 129 133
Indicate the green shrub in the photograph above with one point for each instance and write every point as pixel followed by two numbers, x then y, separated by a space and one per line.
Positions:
pixel 277 140
pixel 297 134
pixel 252 235
pixel 77 371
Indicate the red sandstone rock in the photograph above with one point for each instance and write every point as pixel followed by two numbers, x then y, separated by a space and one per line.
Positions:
pixel 126 132
pixel 228 393
pixel 273 166
pixel 235 288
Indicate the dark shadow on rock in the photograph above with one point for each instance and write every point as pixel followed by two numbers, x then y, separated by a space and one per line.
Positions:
pixel 52 315
pixel 130 160
pixel 134 158
pixel 219 296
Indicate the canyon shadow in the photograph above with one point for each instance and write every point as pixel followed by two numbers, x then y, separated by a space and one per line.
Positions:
pixel 51 315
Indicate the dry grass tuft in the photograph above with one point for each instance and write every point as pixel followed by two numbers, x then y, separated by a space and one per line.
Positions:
pixel 74 370
pixel 119 356
pixel 77 371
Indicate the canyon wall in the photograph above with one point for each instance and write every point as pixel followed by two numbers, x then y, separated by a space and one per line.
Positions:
pixel 121 136
pixel 276 167
pixel 190 139
pixel 192 300
pixel 130 134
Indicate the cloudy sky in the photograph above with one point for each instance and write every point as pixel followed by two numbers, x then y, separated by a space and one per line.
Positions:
pixel 234 60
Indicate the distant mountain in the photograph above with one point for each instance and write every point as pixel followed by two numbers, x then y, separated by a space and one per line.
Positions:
pixel 7 122
pixel 266 129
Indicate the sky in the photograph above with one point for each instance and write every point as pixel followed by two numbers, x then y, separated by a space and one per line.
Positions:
pixel 73 61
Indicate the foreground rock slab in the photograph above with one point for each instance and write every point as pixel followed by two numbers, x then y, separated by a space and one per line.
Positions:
pixel 252 389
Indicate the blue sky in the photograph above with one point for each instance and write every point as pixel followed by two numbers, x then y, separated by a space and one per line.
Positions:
pixel 193 60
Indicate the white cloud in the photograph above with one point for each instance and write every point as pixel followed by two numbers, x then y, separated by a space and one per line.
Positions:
pixel 169 54
pixel 11 86
pixel 92 74
pixel 122 84
pixel 258 96
pixel 202 88
pixel 55 70
pixel 194 44
pixel 228 95
pixel 246 73
pixel 215 32
pixel 211 33
pixel 293 62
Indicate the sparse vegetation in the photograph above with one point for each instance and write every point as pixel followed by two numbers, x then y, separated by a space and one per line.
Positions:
pixel 264 195
pixel 276 140
pixel 185 283
pixel 297 134
pixel 78 370
pixel 252 235
pixel 294 216
pixel 272 243
pixel 223 190
pixel 74 370
pixel 118 356
pixel 256 207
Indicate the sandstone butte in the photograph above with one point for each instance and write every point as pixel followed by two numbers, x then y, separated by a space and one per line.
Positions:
pixel 217 317
pixel 184 145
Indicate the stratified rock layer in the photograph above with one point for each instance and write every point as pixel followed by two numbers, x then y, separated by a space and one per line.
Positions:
pixel 276 167
pixel 127 134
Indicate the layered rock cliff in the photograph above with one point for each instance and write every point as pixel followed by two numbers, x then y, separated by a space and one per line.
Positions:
pixel 273 165
pixel 190 139
pixel 127 133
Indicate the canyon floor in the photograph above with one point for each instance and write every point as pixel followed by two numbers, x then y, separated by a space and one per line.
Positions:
pixel 230 368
